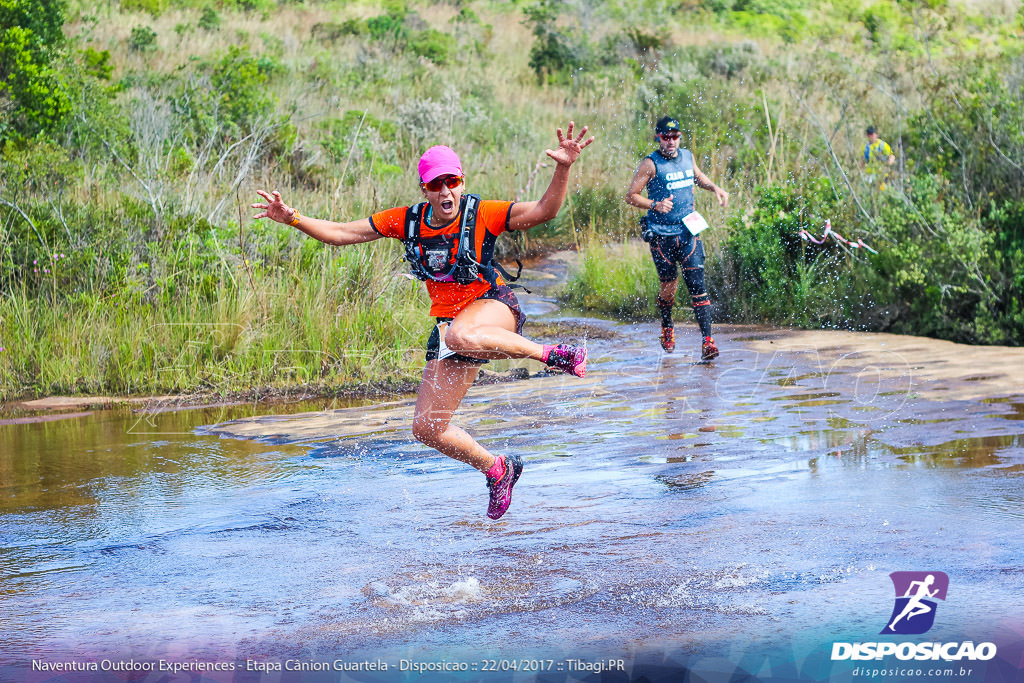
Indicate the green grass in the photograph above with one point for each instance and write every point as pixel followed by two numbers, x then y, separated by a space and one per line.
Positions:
pixel 286 331
pixel 616 279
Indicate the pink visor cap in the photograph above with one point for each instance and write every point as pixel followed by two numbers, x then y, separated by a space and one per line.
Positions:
pixel 438 161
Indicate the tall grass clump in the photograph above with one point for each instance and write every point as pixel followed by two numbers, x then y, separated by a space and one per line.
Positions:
pixel 316 331
pixel 615 279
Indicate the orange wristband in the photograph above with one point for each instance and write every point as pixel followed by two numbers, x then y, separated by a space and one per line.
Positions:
pixel 296 219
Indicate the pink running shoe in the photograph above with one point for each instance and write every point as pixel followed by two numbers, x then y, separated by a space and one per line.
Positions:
pixel 567 358
pixel 501 489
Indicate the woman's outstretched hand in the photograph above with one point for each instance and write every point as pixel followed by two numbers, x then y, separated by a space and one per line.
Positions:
pixel 569 148
pixel 276 209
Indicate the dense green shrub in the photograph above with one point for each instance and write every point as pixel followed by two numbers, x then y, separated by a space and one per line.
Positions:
pixel 97 64
pixel 947 273
pixel 1002 320
pixel 939 271
pixel 32 99
pixel 227 94
pixel 434 45
pixel 142 39
pixel 765 271
pixel 209 20
pixel 387 26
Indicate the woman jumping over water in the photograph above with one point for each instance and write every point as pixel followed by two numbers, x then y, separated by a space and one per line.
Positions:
pixel 449 241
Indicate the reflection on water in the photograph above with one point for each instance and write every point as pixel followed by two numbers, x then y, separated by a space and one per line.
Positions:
pixel 662 502
pixel 1016 406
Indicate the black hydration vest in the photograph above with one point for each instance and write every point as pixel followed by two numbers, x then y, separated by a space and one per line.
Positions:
pixel 432 258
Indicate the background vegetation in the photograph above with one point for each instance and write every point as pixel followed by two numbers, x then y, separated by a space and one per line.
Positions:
pixel 775 106
pixel 134 133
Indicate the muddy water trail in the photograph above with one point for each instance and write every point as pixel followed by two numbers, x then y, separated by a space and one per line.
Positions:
pixel 667 508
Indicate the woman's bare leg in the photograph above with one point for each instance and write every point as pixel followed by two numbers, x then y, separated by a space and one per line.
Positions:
pixel 445 383
pixel 485 329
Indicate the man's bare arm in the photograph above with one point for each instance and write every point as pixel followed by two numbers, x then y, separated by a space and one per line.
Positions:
pixel 634 197
pixel 702 181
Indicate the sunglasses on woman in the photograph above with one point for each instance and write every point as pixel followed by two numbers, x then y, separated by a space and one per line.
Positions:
pixel 449 181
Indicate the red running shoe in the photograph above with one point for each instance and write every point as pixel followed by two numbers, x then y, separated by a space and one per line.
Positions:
pixel 668 339
pixel 501 489
pixel 567 358
pixel 708 351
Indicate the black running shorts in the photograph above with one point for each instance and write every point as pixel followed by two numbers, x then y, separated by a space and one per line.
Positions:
pixel 502 293
pixel 671 252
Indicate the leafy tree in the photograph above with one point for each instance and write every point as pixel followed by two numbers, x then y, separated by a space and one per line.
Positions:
pixel 31 97
pixel 554 53
pixel 43 18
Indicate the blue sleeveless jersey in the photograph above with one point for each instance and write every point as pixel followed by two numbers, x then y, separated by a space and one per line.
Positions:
pixel 673 177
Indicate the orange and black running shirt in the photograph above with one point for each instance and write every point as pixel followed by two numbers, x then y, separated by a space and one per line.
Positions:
pixel 447 299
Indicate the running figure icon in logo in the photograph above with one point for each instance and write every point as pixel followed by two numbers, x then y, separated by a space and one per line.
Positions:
pixel 914 612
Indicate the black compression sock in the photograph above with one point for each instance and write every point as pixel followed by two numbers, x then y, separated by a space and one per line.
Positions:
pixel 665 308
pixel 702 312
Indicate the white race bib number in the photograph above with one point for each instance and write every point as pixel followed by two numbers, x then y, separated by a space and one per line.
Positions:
pixel 694 222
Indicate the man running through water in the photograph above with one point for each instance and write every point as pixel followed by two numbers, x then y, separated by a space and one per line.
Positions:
pixel 476 320
pixel 669 174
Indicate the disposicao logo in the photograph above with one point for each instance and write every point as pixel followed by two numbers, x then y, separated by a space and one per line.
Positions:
pixel 913 614
pixel 914 611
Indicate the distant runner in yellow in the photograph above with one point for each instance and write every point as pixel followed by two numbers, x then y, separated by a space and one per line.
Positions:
pixel 877 151
pixel 878 158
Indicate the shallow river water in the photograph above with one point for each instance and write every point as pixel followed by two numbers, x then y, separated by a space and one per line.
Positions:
pixel 673 519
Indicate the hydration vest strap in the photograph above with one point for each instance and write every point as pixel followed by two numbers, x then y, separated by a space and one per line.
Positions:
pixel 509 278
pixel 468 206
pixel 490 273
pixel 412 223
pixel 412 240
